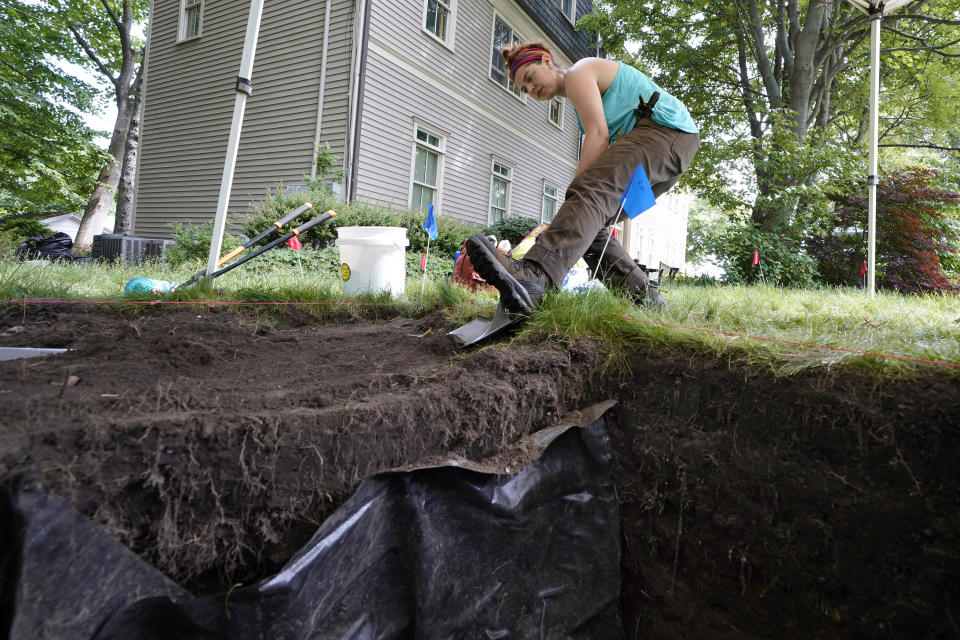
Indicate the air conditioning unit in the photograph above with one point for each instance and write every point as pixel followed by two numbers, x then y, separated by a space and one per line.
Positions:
pixel 116 246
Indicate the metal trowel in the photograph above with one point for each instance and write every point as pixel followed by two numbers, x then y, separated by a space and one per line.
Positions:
pixel 480 329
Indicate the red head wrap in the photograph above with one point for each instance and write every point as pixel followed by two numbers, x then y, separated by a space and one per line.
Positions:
pixel 527 55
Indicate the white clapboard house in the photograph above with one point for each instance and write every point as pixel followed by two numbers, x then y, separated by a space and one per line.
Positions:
pixel 657 238
pixel 411 95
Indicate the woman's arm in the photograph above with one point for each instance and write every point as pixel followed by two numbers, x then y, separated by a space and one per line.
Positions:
pixel 583 91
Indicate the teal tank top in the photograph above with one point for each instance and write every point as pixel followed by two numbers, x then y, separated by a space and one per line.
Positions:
pixel 623 96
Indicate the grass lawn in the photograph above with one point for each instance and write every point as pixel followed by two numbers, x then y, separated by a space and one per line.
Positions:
pixel 760 326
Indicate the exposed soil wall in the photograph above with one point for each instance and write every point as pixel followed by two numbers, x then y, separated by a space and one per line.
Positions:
pixel 820 507
pixel 213 444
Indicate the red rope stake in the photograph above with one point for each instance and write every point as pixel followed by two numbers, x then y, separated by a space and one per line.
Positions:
pixel 476 309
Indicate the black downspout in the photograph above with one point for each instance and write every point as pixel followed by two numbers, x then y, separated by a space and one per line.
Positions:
pixel 361 87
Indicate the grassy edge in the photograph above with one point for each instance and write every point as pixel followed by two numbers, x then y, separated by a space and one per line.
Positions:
pixel 907 327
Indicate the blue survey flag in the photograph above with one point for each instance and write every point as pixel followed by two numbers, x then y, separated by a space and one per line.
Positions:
pixel 430 224
pixel 638 196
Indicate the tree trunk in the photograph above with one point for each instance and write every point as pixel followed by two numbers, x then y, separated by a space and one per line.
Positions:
pixel 128 170
pixel 103 194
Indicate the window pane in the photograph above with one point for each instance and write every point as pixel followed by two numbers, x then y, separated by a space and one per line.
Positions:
pixel 502 35
pixel 420 165
pixel 191 20
pixel 195 23
pixel 431 169
pixel 568 8
pixel 432 17
pixel 441 31
pixel 437 15
pixel 422 197
pixel 555 110
pixel 498 194
pixel 549 208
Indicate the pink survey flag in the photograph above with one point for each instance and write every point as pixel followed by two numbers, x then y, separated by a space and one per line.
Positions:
pixel 756 257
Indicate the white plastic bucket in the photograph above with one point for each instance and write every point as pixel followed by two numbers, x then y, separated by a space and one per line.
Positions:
pixel 372 259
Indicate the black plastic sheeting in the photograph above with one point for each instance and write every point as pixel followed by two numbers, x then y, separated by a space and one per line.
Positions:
pixel 56 247
pixel 443 552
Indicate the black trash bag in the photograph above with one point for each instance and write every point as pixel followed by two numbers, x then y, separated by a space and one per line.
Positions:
pixel 56 247
pixel 442 552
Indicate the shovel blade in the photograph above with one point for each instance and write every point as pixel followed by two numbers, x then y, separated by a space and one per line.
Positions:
pixel 479 329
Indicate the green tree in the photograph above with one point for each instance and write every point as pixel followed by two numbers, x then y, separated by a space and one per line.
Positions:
pixel 48 154
pixel 916 234
pixel 779 89
pixel 102 38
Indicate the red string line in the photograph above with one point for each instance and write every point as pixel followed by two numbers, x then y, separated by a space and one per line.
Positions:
pixel 474 309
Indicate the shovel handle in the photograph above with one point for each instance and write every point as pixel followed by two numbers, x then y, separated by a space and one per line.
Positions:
pixel 312 223
pixel 290 217
pixel 279 224
pixel 295 232
pixel 199 275
pixel 230 256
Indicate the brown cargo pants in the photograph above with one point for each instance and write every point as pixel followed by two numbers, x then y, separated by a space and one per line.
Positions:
pixel 580 227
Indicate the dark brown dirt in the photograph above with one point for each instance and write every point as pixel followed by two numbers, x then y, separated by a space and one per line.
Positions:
pixel 213 442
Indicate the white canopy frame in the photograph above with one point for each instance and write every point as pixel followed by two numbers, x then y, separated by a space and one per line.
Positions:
pixel 876 11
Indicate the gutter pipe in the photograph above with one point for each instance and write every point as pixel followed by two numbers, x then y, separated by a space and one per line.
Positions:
pixel 359 95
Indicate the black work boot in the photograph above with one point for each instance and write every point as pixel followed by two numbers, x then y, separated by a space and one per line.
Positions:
pixel 643 290
pixel 521 283
pixel 652 297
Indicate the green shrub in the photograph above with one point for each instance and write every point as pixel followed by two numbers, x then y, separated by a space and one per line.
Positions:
pixel 23 228
pixel 13 231
pixel 326 165
pixel 278 203
pixel 439 267
pixel 193 243
pixel 310 260
pixel 451 232
pixel 782 261
pixel 512 228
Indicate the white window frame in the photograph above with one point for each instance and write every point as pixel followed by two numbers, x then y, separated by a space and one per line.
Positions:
pixel 546 196
pixel 511 88
pixel 185 5
pixel 451 6
pixel 556 100
pixel 507 177
pixel 572 19
pixel 439 149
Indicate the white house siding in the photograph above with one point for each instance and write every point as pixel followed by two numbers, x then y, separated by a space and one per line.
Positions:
pixel 660 233
pixel 336 106
pixel 412 77
pixel 189 100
